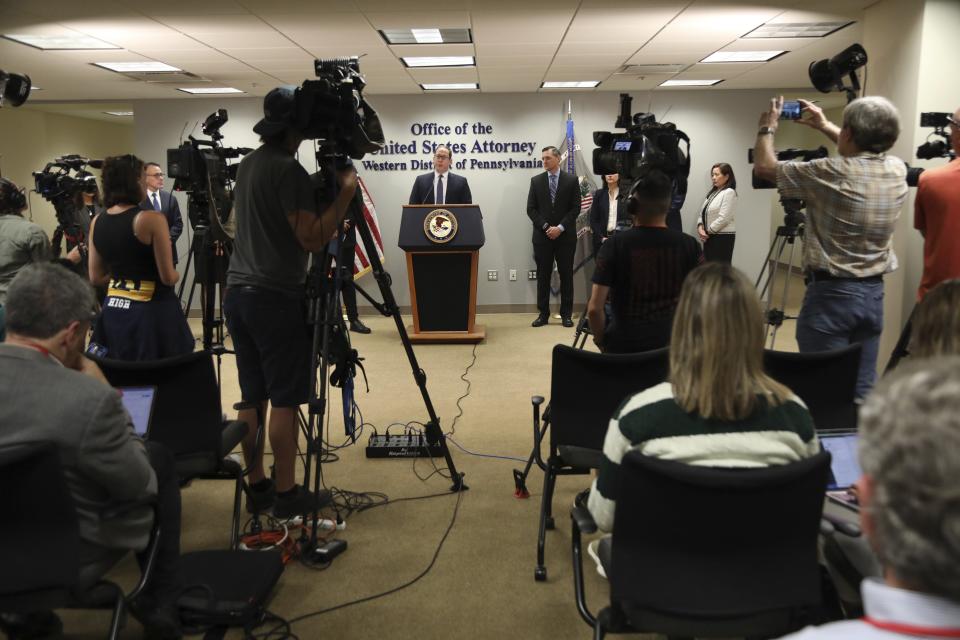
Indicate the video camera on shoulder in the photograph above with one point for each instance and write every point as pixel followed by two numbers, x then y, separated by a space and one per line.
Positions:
pixel 932 149
pixel 646 144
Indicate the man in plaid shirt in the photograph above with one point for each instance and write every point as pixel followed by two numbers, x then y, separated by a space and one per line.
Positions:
pixel 853 201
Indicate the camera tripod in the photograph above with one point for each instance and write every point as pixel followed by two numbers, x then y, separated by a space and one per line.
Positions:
pixel 787 234
pixel 323 293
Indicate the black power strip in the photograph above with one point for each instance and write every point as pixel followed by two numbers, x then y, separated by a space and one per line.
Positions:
pixel 406 446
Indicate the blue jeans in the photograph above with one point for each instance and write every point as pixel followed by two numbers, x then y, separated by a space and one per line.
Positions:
pixel 837 313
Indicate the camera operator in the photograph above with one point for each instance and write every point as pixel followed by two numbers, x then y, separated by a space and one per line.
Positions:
pixel 277 224
pixel 21 241
pixel 644 267
pixel 87 204
pixel 937 217
pixel 853 202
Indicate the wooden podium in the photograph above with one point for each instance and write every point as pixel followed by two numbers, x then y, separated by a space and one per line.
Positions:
pixel 442 243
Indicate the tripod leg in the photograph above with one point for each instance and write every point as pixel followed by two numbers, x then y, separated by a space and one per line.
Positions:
pixel 902 348
pixel 786 294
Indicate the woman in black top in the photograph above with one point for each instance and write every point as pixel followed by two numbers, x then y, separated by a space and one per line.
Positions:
pixel 602 224
pixel 130 249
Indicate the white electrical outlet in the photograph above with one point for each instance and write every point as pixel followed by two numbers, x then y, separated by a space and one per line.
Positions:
pixel 513 274
pixel 492 274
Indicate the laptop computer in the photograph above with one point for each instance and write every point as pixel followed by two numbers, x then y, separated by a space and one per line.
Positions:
pixel 844 465
pixel 139 402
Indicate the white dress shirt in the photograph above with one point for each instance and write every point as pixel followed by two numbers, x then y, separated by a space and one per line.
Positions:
pixel 891 613
pixel 612 215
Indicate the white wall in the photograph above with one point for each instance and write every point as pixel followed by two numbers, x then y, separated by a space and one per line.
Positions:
pixel 721 124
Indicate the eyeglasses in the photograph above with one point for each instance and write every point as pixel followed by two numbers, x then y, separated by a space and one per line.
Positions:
pixel 439 157
pixel 154 175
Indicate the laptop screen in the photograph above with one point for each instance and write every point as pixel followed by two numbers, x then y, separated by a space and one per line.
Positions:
pixel 844 466
pixel 138 402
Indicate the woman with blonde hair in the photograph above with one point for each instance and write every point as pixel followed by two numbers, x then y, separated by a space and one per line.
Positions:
pixel 935 328
pixel 719 408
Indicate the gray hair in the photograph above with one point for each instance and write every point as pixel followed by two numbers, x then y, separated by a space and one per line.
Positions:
pixel 45 298
pixel 874 123
pixel 909 439
pixel 553 151
pixel 936 323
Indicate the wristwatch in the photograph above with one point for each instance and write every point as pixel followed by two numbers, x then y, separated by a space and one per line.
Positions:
pixel 766 131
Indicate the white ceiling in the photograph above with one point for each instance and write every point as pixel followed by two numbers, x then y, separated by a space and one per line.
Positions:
pixel 254 45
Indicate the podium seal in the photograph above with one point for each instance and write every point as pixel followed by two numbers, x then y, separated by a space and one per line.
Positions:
pixel 440 226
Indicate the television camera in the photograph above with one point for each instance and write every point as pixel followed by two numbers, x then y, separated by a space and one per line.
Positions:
pixel 58 183
pixel 646 144
pixel 14 88
pixel 931 149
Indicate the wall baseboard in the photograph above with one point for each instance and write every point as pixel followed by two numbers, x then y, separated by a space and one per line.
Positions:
pixel 366 311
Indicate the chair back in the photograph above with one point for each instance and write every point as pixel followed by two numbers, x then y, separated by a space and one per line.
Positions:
pixel 39 534
pixel 709 543
pixel 186 415
pixel 586 388
pixel 826 381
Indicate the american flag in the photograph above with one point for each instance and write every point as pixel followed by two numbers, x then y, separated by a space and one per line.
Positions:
pixel 361 261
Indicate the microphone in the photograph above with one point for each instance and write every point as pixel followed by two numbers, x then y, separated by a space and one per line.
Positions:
pixel 425 196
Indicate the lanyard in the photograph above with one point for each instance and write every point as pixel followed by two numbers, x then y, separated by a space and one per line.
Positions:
pixel 913 630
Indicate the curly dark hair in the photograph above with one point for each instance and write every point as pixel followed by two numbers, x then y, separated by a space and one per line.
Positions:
pixel 122 179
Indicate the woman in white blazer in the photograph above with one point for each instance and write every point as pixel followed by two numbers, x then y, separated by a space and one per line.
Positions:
pixel 716 227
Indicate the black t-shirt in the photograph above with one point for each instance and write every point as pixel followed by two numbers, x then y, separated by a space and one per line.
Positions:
pixel 644 268
pixel 271 184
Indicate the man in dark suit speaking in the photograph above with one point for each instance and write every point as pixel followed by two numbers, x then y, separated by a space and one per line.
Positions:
pixel 552 205
pixel 164 202
pixel 440 186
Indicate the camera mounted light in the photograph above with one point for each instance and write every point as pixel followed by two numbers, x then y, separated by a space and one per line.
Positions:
pixel 827 75
pixel 14 88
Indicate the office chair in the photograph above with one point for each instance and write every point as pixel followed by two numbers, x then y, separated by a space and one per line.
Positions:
pixel 826 381
pixel 187 418
pixel 40 540
pixel 585 390
pixel 708 552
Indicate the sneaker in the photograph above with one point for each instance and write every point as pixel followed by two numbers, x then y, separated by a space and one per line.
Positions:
pixel 260 501
pixel 593 552
pixel 303 501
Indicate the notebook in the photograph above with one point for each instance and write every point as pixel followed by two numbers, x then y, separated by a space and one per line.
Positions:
pixel 139 402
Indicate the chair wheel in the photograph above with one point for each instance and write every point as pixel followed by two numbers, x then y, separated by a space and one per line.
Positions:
pixel 550 524
pixel 540 574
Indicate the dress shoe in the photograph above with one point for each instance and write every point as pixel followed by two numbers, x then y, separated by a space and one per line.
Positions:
pixel 540 321
pixel 358 327
pixel 567 322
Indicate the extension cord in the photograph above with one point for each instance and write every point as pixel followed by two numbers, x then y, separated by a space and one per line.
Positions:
pixel 402 446
pixel 323 524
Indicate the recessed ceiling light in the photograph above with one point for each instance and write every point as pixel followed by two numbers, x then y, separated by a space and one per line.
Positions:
pixel 133 67
pixel 208 90
pixel 742 56
pixel 439 61
pixel 690 83
pixel 796 29
pixel 67 42
pixel 119 113
pixel 427 36
pixel 450 86
pixel 579 84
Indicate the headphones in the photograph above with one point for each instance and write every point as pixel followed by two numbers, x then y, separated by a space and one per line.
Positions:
pixel 12 198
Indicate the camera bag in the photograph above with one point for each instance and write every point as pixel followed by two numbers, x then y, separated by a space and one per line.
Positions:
pixel 227 589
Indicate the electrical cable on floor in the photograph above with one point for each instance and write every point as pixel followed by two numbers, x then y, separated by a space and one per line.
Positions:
pixel 484 455
pixel 463 376
pixel 414 580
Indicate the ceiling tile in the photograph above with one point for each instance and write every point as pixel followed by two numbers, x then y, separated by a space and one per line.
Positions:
pixel 419 19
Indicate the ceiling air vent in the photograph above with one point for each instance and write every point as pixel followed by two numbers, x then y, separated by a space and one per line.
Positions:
pixel 166 77
pixel 652 69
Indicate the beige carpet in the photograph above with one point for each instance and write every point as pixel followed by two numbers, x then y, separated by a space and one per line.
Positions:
pixel 481 585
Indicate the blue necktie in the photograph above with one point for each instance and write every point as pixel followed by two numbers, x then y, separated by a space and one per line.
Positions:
pixel 553 188
pixel 156 202
pixel 439 189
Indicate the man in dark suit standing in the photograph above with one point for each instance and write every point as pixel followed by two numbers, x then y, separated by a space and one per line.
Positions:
pixel 552 205
pixel 164 202
pixel 440 186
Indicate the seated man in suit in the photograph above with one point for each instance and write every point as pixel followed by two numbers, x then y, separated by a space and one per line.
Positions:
pixel 164 202
pixel 440 186
pixel 909 437
pixel 50 392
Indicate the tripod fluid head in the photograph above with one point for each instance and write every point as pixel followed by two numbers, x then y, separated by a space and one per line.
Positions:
pixel 793 218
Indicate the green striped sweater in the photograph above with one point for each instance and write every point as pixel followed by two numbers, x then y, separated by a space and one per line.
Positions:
pixel 652 422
